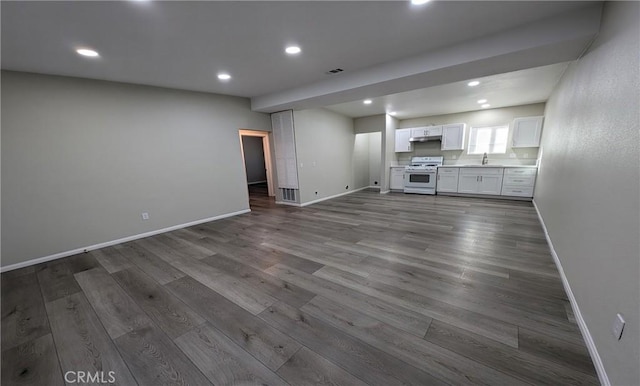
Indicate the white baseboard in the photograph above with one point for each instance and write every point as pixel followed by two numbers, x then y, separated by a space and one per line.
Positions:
pixel 334 196
pixel 385 191
pixel 256 182
pixel 114 242
pixel 593 351
pixel 288 203
pixel 374 187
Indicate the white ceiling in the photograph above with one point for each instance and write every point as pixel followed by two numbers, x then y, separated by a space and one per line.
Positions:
pixel 184 44
pixel 508 89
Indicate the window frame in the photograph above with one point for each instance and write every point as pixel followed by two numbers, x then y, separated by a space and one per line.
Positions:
pixel 494 129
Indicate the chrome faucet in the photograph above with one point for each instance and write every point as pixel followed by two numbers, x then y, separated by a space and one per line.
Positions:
pixel 485 160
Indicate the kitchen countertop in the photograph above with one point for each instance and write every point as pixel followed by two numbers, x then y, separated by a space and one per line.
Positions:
pixel 488 166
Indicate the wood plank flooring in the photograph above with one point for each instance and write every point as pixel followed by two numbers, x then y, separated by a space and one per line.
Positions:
pixel 365 289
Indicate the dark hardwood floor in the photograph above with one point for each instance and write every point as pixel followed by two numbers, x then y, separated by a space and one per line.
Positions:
pixel 363 289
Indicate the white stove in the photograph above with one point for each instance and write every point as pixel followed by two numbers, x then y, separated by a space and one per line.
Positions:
pixel 420 176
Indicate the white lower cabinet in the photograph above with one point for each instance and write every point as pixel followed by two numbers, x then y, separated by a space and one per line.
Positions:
pixel 396 182
pixel 490 184
pixel 447 180
pixel 519 182
pixel 480 180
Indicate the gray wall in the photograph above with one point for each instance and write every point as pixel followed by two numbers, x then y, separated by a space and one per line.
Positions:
pixel 361 160
pixel 82 159
pixel 325 145
pixel 254 159
pixel 375 157
pixel 588 186
pixel 371 124
pixel 490 117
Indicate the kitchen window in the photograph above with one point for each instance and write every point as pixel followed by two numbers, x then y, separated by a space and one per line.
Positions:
pixel 490 140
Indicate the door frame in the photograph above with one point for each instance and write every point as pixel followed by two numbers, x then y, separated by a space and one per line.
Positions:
pixel 267 155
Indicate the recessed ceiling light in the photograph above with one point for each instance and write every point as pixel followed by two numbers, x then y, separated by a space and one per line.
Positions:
pixel 482 101
pixel 87 52
pixel 473 83
pixel 224 76
pixel 418 2
pixel 292 50
pixel 484 106
pixel 393 113
pixel 367 101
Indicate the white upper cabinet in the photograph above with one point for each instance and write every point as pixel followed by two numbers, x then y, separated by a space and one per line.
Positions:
pixel 403 145
pixel 426 131
pixel 526 132
pixel 453 136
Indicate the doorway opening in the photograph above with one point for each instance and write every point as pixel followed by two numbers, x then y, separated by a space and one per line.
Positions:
pixel 256 155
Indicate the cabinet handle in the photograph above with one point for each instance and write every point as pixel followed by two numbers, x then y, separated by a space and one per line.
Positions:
pixel 480 178
pixel 517 191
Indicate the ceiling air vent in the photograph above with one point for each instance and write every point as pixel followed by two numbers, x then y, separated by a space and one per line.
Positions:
pixel 334 71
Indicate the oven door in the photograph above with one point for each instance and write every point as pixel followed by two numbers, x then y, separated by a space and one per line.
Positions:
pixel 420 179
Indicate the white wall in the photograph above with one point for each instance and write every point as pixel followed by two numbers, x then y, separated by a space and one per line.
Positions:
pixel 489 117
pixel 82 159
pixel 588 186
pixel 254 159
pixel 372 127
pixel 389 155
pixel 325 143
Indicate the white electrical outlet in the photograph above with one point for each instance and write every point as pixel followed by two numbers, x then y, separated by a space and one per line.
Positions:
pixel 618 326
pixel 145 216
pixel 512 155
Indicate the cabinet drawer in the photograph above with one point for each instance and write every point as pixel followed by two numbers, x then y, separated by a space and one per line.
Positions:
pixel 524 180
pixel 448 170
pixel 520 171
pixel 481 171
pixel 519 191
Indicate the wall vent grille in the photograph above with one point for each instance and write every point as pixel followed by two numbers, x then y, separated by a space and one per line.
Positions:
pixel 334 71
pixel 288 194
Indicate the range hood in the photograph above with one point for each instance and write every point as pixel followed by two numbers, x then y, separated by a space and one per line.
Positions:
pixel 427 133
pixel 426 138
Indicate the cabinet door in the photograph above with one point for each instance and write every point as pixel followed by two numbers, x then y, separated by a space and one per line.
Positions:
pixel 418 132
pixel 402 141
pixel 434 131
pixel 453 137
pixel 447 183
pixel 468 183
pixel 490 184
pixel 396 182
pixel 526 132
